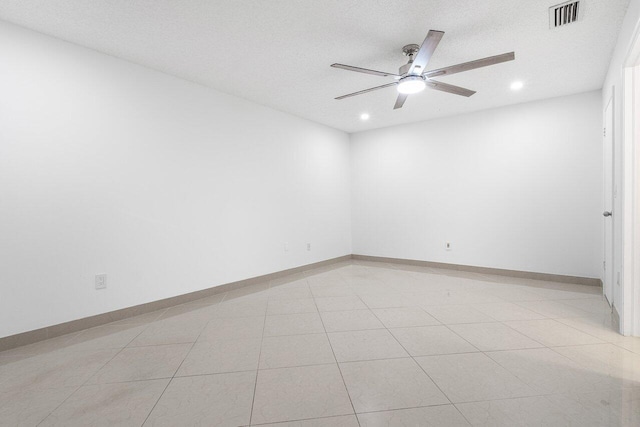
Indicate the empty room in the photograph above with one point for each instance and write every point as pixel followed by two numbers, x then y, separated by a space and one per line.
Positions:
pixel 319 213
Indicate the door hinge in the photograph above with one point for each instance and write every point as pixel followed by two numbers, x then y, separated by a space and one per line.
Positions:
pixel 604 132
pixel 604 265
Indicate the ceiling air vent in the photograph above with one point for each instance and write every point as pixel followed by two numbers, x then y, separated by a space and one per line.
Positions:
pixel 564 14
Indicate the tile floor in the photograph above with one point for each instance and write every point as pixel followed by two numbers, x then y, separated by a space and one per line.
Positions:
pixel 356 343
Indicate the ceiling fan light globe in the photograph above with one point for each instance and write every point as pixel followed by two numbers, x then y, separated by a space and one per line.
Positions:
pixel 411 84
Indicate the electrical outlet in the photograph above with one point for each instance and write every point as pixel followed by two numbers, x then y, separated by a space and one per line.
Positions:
pixel 101 281
pixel 308 246
pixel 447 246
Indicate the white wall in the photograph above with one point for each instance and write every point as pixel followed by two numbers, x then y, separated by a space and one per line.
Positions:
pixel 166 186
pixel 613 87
pixel 515 188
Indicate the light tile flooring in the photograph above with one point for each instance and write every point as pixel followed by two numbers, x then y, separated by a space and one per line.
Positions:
pixel 357 343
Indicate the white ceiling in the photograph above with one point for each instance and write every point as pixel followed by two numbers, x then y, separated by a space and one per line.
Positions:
pixel 277 53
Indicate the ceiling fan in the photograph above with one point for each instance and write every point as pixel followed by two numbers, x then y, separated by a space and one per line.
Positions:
pixel 412 77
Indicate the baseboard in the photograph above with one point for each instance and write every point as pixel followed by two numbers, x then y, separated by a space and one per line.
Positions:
pixel 53 331
pixel 485 270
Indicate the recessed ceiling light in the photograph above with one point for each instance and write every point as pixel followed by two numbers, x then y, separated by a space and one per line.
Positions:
pixel 411 84
pixel 364 116
pixel 517 85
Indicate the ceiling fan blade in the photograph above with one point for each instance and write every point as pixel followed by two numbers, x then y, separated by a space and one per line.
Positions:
pixel 371 89
pixel 363 70
pixel 429 45
pixel 400 101
pixel 478 63
pixel 457 90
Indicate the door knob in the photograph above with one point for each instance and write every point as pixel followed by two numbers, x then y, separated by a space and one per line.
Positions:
pixel 606 213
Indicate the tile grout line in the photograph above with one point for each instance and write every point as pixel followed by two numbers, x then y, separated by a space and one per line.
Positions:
pixel 164 390
pixel 479 351
pixel 483 352
pixel 298 420
pixel 420 366
pixel 518 303
pixel 96 371
pixel 409 407
pixel 264 326
pixel 344 383
pixel 412 358
pixel 523 334
pixel 576 329
pixel 178 368
pixel 451 330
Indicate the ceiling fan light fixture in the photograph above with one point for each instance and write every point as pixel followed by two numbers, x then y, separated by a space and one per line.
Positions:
pixel 517 85
pixel 411 84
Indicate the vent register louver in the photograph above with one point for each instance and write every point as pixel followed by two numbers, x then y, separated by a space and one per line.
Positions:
pixel 564 14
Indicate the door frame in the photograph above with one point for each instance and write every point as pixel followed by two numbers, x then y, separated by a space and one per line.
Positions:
pixel 630 316
pixel 608 224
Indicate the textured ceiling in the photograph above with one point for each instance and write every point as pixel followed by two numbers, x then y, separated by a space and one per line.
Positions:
pixel 277 53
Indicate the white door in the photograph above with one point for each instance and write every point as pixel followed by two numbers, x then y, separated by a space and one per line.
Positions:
pixel 608 214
